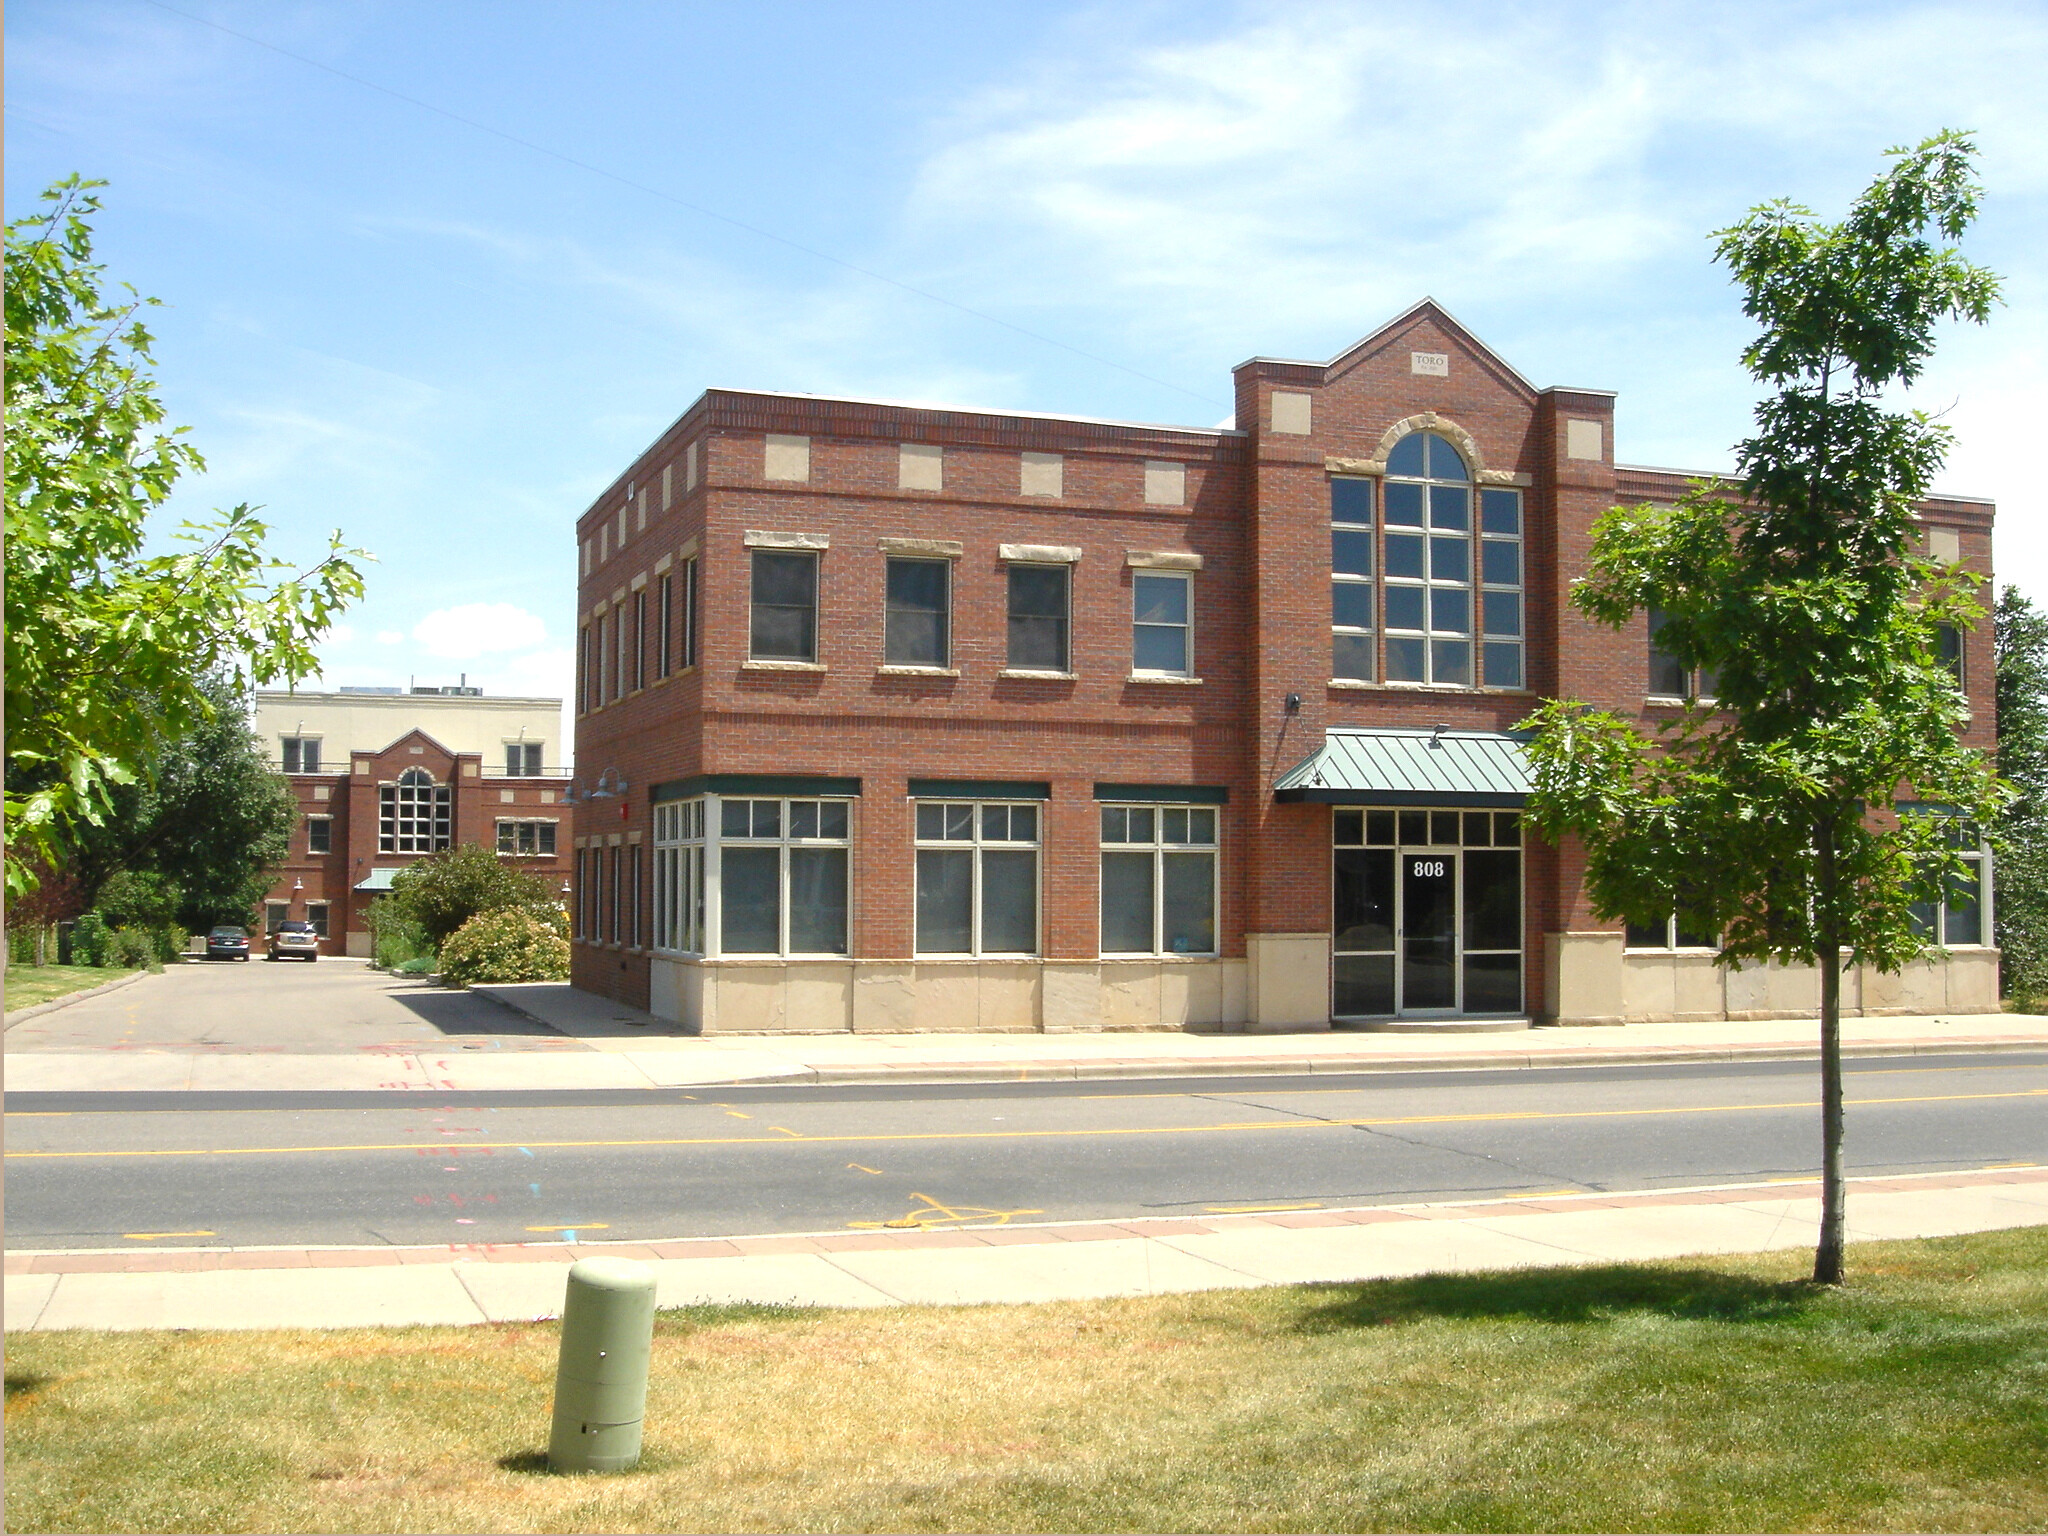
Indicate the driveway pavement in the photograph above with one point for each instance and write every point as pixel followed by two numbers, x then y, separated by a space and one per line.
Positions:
pixel 335 1007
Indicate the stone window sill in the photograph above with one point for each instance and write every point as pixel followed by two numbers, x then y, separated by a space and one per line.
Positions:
pixel 1163 677
pixel 1040 674
pixel 917 671
pixel 782 666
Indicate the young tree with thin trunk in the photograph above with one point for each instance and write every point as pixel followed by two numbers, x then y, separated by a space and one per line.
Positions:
pixel 1803 811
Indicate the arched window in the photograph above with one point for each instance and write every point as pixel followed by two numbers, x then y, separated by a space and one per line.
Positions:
pixel 1440 588
pixel 413 814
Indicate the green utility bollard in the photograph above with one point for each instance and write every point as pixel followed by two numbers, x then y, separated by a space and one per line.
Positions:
pixel 601 1380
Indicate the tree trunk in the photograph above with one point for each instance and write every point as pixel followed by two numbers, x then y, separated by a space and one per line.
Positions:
pixel 1834 1194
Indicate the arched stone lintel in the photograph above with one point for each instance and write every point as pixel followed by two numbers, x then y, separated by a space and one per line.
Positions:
pixel 1429 421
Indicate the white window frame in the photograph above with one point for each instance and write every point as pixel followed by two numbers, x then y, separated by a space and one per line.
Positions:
pixel 976 844
pixel 326 823
pixel 1161 850
pixel 785 842
pixel 679 886
pixel 294 747
pixel 439 818
pixel 1140 574
pixel 317 913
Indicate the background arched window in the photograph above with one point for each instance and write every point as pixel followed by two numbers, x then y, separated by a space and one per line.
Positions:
pixel 413 815
pixel 1442 603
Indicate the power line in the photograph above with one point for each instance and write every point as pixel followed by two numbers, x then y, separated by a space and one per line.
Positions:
pixel 668 197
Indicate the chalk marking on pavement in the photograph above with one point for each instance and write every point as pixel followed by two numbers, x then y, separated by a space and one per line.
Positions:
pixel 864 1168
pixel 933 1214
pixel 581 1226
pixel 1292 1124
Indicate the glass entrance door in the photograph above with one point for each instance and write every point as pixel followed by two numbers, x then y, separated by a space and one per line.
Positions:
pixel 1428 913
pixel 1429 930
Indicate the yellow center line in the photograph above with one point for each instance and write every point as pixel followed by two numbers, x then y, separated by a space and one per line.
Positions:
pixel 859 1138
pixel 150 1237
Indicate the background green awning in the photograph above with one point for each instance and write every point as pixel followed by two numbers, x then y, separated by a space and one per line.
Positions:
pixel 1479 769
pixel 377 880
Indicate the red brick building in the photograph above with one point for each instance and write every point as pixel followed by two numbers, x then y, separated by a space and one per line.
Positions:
pixel 448 766
pixel 900 717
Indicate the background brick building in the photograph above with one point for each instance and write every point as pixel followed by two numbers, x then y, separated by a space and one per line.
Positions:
pixel 384 776
pixel 894 716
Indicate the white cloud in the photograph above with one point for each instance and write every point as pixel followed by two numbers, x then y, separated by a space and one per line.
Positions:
pixel 470 630
pixel 339 634
pixel 390 637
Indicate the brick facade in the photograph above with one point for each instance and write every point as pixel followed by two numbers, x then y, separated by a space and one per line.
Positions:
pixel 1256 519
pixel 348 799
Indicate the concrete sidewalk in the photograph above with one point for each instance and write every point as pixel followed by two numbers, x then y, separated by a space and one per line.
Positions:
pixel 605 1045
pixel 954 1265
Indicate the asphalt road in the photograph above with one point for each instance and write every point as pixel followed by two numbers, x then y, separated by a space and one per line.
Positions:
pixel 253 1169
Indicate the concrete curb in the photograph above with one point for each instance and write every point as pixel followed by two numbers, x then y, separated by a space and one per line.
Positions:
pixel 23 1015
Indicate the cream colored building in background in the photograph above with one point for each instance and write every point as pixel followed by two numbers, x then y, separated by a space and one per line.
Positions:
pixel 366 720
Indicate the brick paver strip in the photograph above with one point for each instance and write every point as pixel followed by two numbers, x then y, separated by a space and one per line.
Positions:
pixel 195 1260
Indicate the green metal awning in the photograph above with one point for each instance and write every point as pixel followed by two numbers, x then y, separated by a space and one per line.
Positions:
pixel 1478 769
pixel 378 880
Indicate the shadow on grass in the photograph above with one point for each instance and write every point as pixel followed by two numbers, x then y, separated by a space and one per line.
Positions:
pixel 19 1382
pixel 529 1462
pixel 1561 1296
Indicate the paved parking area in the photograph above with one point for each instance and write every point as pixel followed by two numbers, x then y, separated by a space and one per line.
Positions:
pixel 334 1007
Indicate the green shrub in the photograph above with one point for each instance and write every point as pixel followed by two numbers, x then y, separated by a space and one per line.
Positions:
pixel 90 940
pixel 513 944
pixel 444 892
pixel 132 949
pixel 397 940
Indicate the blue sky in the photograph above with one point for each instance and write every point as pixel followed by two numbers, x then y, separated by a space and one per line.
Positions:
pixel 445 342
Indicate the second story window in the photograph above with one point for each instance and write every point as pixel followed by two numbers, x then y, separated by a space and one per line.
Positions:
pixel 522 759
pixel 1351 585
pixel 526 837
pixel 1669 677
pixel 1948 650
pixel 1433 593
pixel 319 834
pixel 785 617
pixel 1039 618
pixel 302 754
pixel 413 815
pixel 916 627
pixel 1162 623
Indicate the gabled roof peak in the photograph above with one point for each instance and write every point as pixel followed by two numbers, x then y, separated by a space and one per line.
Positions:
pixel 1424 307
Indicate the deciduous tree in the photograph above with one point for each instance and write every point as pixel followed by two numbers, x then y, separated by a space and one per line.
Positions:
pixel 1772 816
pixel 2022 831
pixel 107 644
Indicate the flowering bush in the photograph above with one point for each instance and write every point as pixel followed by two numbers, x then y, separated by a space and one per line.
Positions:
pixel 511 944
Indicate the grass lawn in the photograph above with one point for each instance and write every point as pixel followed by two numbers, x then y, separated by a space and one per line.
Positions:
pixel 28 985
pixel 1714 1394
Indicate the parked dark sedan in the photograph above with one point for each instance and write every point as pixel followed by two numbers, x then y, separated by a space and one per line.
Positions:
pixel 227 942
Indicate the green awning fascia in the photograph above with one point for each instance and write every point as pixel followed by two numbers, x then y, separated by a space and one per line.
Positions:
pixel 824 785
pixel 378 880
pixel 1480 770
